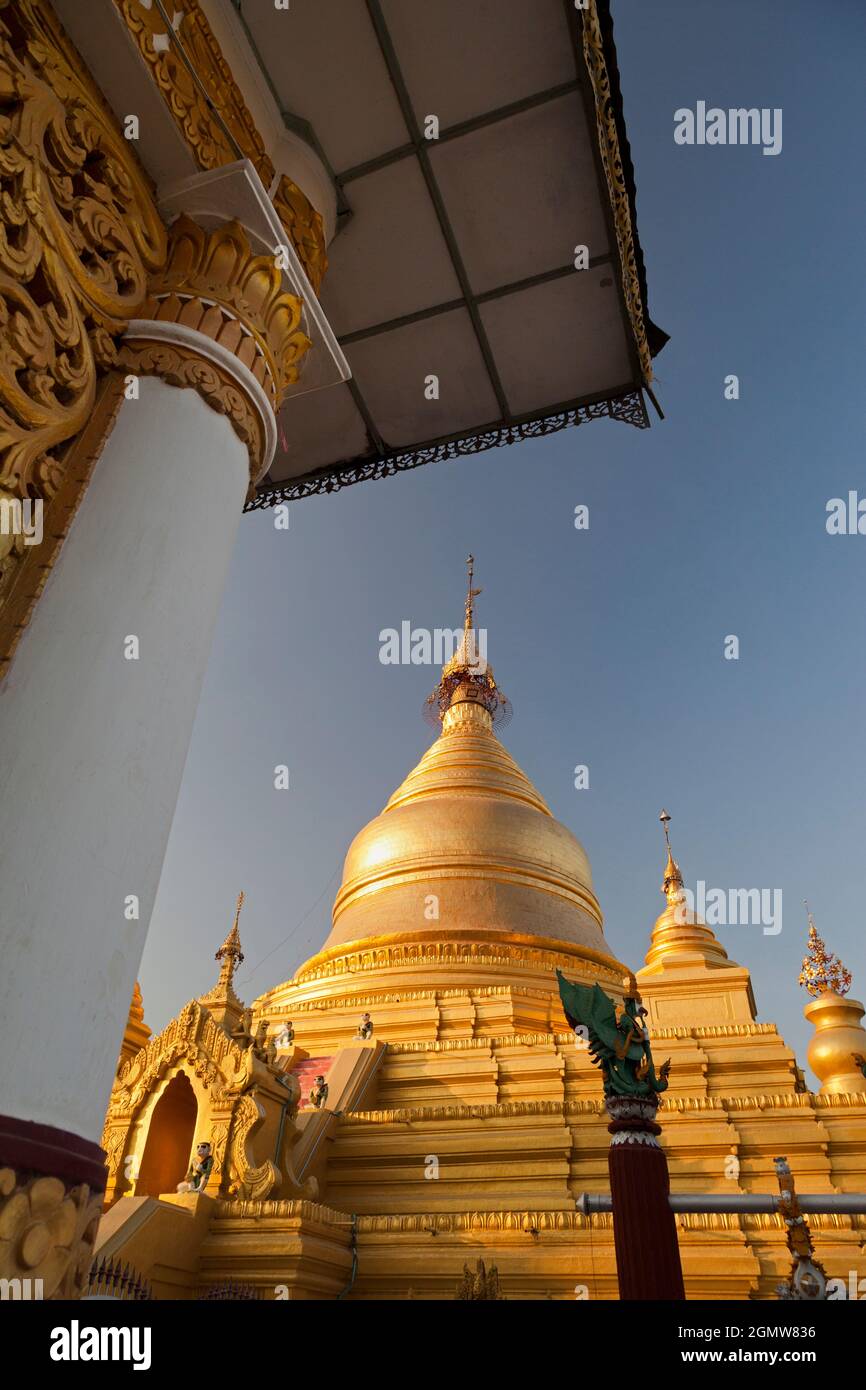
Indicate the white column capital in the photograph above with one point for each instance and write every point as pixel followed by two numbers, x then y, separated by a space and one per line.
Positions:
pixel 232 314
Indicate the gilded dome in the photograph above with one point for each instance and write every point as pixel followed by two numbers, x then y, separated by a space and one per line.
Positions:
pixel 467 844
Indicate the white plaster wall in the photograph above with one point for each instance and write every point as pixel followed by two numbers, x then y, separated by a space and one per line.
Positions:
pixel 92 746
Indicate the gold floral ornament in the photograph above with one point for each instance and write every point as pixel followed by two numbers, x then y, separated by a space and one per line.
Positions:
pixel 79 235
pixel 214 283
pixel 822 972
pixel 212 115
pixel 47 1232
pixel 304 225
pixel 194 105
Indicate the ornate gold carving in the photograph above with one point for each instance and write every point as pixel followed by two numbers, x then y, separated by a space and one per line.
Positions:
pixel 483 1285
pixel 377 953
pixel 488 1044
pixel 283 1209
pixel 305 227
pixel 717 1030
pixel 114 1143
pixel 183 367
pixel 236 1082
pixel 47 1232
pixel 611 157
pixel 247 1181
pixel 213 117
pixel 378 997
pixel 219 1134
pixel 79 234
pixel 822 972
pixel 192 1037
pixel 213 283
pixel 195 107
pixel 474 1222
pixel 503 1110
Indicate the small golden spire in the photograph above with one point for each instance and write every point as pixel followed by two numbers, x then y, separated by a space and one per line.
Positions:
pixel 136 1033
pixel 222 1002
pixel 672 883
pixel 136 1008
pixel 467 677
pixel 822 971
pixel 230 954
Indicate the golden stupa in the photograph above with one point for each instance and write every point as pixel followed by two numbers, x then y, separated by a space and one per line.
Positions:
pixel 466 867
pixel 461 1121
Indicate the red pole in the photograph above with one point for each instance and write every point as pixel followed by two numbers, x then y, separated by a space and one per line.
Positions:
pixel 644 1229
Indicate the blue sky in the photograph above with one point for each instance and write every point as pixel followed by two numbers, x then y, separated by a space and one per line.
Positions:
pixel 609 642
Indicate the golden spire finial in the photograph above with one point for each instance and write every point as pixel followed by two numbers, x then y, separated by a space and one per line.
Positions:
pixel 222 1002
pixel 471 595
pixel 672 883
pixel 822 971
pixel 230 954
pixel 467 677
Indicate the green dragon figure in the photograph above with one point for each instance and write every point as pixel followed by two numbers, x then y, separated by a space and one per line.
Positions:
pixel 620 1046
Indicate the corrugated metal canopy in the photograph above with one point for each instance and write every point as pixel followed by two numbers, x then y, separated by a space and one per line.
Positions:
pixel 454 256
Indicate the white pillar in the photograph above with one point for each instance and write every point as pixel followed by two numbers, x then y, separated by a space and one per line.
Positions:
pixel 93 744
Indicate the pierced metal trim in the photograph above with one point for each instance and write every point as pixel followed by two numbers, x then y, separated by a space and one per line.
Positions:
pixel 629 408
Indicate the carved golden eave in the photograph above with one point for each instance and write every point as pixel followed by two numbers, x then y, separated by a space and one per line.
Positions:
pixel 611 158
pixel 213 117
pixel 213 141
pixel 79 236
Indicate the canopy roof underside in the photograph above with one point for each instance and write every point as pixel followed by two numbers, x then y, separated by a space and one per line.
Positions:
pixel 454 257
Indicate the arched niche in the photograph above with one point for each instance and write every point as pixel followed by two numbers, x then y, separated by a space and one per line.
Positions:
pixel 169 1142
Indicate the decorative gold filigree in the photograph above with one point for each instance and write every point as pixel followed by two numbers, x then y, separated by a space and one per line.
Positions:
pixel 353 958
pixel 47 1232
pixel 214 139
pixel 475 1222
pixel 214 283
pixel 501 1110
pixel 822 971
pixel 114 1143
pixel 219 1135
pixel 357 1001
pixel 295 1209
pixel 483 1285
pixel 305 227
pixel 213 117
pixel 79 233
pixel 249 1182
pixel 192 1037
pixel 611 158
pixel 238 1087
